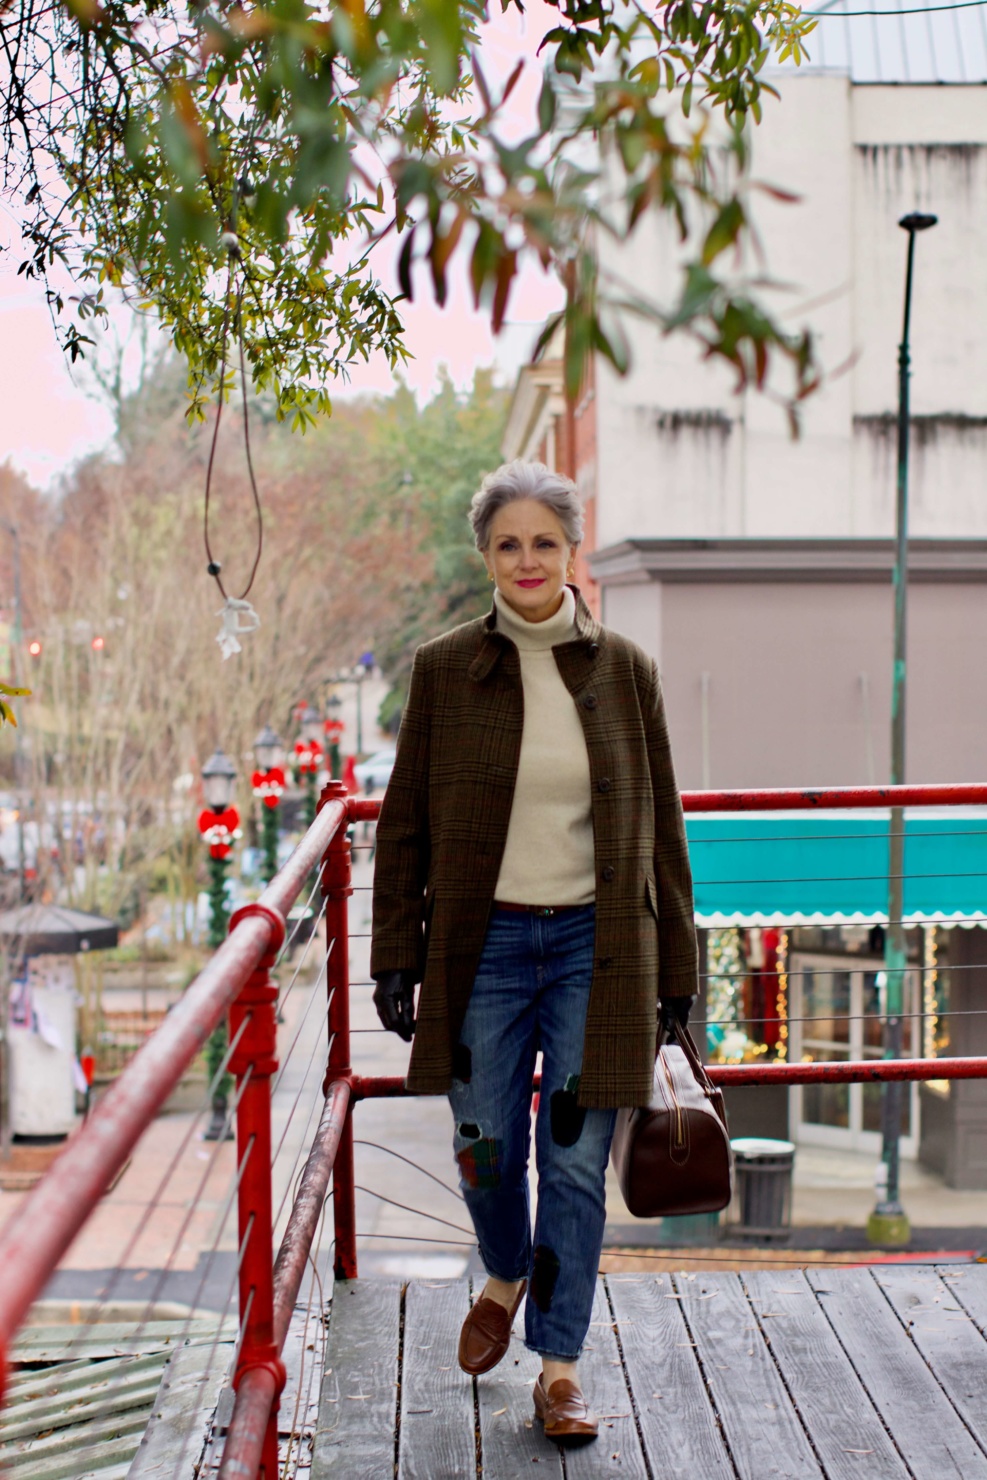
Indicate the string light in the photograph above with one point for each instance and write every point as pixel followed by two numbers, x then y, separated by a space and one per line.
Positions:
pixel 782 999
pixel 930 1003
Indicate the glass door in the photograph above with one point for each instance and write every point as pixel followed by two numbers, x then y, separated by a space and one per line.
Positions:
pixel 836 1010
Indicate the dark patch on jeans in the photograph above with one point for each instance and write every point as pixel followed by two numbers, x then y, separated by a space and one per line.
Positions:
pixel 469 1130
pixel 462 1063
pixel 480 1161
pixel 544 1277
pixel 567 1115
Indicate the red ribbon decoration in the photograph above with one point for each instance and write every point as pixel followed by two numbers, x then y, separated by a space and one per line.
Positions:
pixel 269 785
pixel 219 829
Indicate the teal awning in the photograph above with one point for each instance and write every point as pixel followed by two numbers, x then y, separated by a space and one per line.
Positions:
pixel 812 868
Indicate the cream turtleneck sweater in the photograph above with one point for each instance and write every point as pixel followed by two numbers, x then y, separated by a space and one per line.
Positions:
pixel 548 857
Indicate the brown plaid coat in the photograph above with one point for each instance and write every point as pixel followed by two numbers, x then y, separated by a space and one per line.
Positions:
pixel 443 826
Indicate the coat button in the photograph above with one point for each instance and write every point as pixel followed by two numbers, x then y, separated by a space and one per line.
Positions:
pixel 603 784
pixel 605 963
pixel 594 649
pixel 590 701
pixel 607 873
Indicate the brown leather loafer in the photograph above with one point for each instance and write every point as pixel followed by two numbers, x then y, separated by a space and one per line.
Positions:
pixel 486 1334
pixel 564 1413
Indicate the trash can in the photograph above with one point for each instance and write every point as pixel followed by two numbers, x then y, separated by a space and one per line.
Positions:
pixel 763 1190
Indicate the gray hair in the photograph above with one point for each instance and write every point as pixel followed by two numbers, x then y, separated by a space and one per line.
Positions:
pixel 520 479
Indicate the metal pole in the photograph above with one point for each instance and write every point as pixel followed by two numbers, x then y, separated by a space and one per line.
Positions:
pixel 888 1224
pixel 253 1062
pixel 337 888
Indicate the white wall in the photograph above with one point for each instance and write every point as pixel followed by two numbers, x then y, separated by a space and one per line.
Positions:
pixel 681 456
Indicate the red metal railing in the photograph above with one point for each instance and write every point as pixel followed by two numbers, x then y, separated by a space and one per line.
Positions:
pixel 238 980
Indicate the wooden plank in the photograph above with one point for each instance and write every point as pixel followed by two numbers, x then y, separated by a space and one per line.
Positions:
pixel 510 1440
pixel 358 1398
pixel 969 1285
pixel 509 1437
pixel 618 1449
pixel 180 1419
pixel 437 1438
pixel 302 1355
pixel 945 1335
pixel 761 1427
pixel 845 1429
pixel 681 1436
pixel 924 1423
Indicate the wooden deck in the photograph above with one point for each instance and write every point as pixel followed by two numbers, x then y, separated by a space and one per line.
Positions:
pixel 873 1374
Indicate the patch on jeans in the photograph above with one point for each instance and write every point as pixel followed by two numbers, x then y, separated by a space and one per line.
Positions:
pixel 544 1277
pixel 479 1163
pixel 567 1117
pixel 462 1064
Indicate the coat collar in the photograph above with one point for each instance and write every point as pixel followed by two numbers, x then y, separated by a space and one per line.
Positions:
pixel 494 643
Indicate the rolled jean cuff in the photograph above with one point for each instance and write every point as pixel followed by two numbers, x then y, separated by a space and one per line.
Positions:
pixel 554 1356
pixel 506 1279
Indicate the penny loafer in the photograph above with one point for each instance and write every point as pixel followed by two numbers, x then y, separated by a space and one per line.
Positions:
pixel 564 1412
pixel 486 1334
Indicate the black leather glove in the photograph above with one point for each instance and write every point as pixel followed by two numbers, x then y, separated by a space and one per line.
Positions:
pixel 674 1011
pixel 394 999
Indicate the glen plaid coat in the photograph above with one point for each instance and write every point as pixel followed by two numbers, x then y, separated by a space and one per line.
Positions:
pixel 443 826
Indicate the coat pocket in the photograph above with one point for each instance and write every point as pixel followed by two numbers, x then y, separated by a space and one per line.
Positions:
pixel 651 896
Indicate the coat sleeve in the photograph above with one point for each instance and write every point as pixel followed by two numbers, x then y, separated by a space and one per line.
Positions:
pixel 678 956
pixel 401 860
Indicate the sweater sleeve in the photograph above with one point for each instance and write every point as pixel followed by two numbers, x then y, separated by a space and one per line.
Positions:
pixel 678 955
pixel 401 860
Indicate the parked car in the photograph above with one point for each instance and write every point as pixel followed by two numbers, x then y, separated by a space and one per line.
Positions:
pixel 375 771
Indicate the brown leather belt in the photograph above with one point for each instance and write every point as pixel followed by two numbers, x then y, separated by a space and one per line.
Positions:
pixel 537 909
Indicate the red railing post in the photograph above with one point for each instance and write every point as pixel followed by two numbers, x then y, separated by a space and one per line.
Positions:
pixel 336 887
pixel 254 1060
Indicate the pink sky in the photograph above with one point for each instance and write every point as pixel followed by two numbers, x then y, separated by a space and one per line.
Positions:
pixel 47 421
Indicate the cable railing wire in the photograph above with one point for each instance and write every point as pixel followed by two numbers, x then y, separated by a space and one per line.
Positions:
pixel 405 1208
pixel 121 1265
pixel 300 1026
pixel 455 1192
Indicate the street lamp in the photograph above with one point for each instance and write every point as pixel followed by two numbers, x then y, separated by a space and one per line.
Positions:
pixel 356 675
pixel 888 1224
pixel 219 824
pixel 333 728
pixel 268 786
pixel 309 757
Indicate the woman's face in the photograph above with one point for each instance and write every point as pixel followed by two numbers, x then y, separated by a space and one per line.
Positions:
pixel 529 558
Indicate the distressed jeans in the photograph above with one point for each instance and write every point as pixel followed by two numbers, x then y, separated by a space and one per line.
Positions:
pixel 531 992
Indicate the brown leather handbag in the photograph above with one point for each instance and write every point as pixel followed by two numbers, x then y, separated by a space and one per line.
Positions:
pixel 673 1157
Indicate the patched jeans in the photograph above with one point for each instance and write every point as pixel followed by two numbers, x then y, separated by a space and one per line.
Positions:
pixel 531 992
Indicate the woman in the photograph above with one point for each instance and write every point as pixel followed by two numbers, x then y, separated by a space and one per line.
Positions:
pixel 532 874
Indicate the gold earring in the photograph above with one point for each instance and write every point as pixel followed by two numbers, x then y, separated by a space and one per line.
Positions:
pixel 489 575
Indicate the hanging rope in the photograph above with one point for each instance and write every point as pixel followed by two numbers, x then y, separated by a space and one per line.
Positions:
pixel 238 616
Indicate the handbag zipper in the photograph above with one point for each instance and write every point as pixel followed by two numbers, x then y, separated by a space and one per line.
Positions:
pixel 679 1131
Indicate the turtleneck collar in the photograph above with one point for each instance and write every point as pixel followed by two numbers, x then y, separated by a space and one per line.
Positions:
pixel 535 636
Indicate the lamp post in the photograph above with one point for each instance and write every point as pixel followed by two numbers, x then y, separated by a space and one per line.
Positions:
pixel 888 1223
pixel 219 824
pixel 333 728
pixel 268 786
pixel 356 675
pixel 309 757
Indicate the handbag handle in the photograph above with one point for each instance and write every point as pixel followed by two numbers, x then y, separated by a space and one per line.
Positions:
pixel 680 1033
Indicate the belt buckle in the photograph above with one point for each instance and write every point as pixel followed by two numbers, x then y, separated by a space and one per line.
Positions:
pixel 547 910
